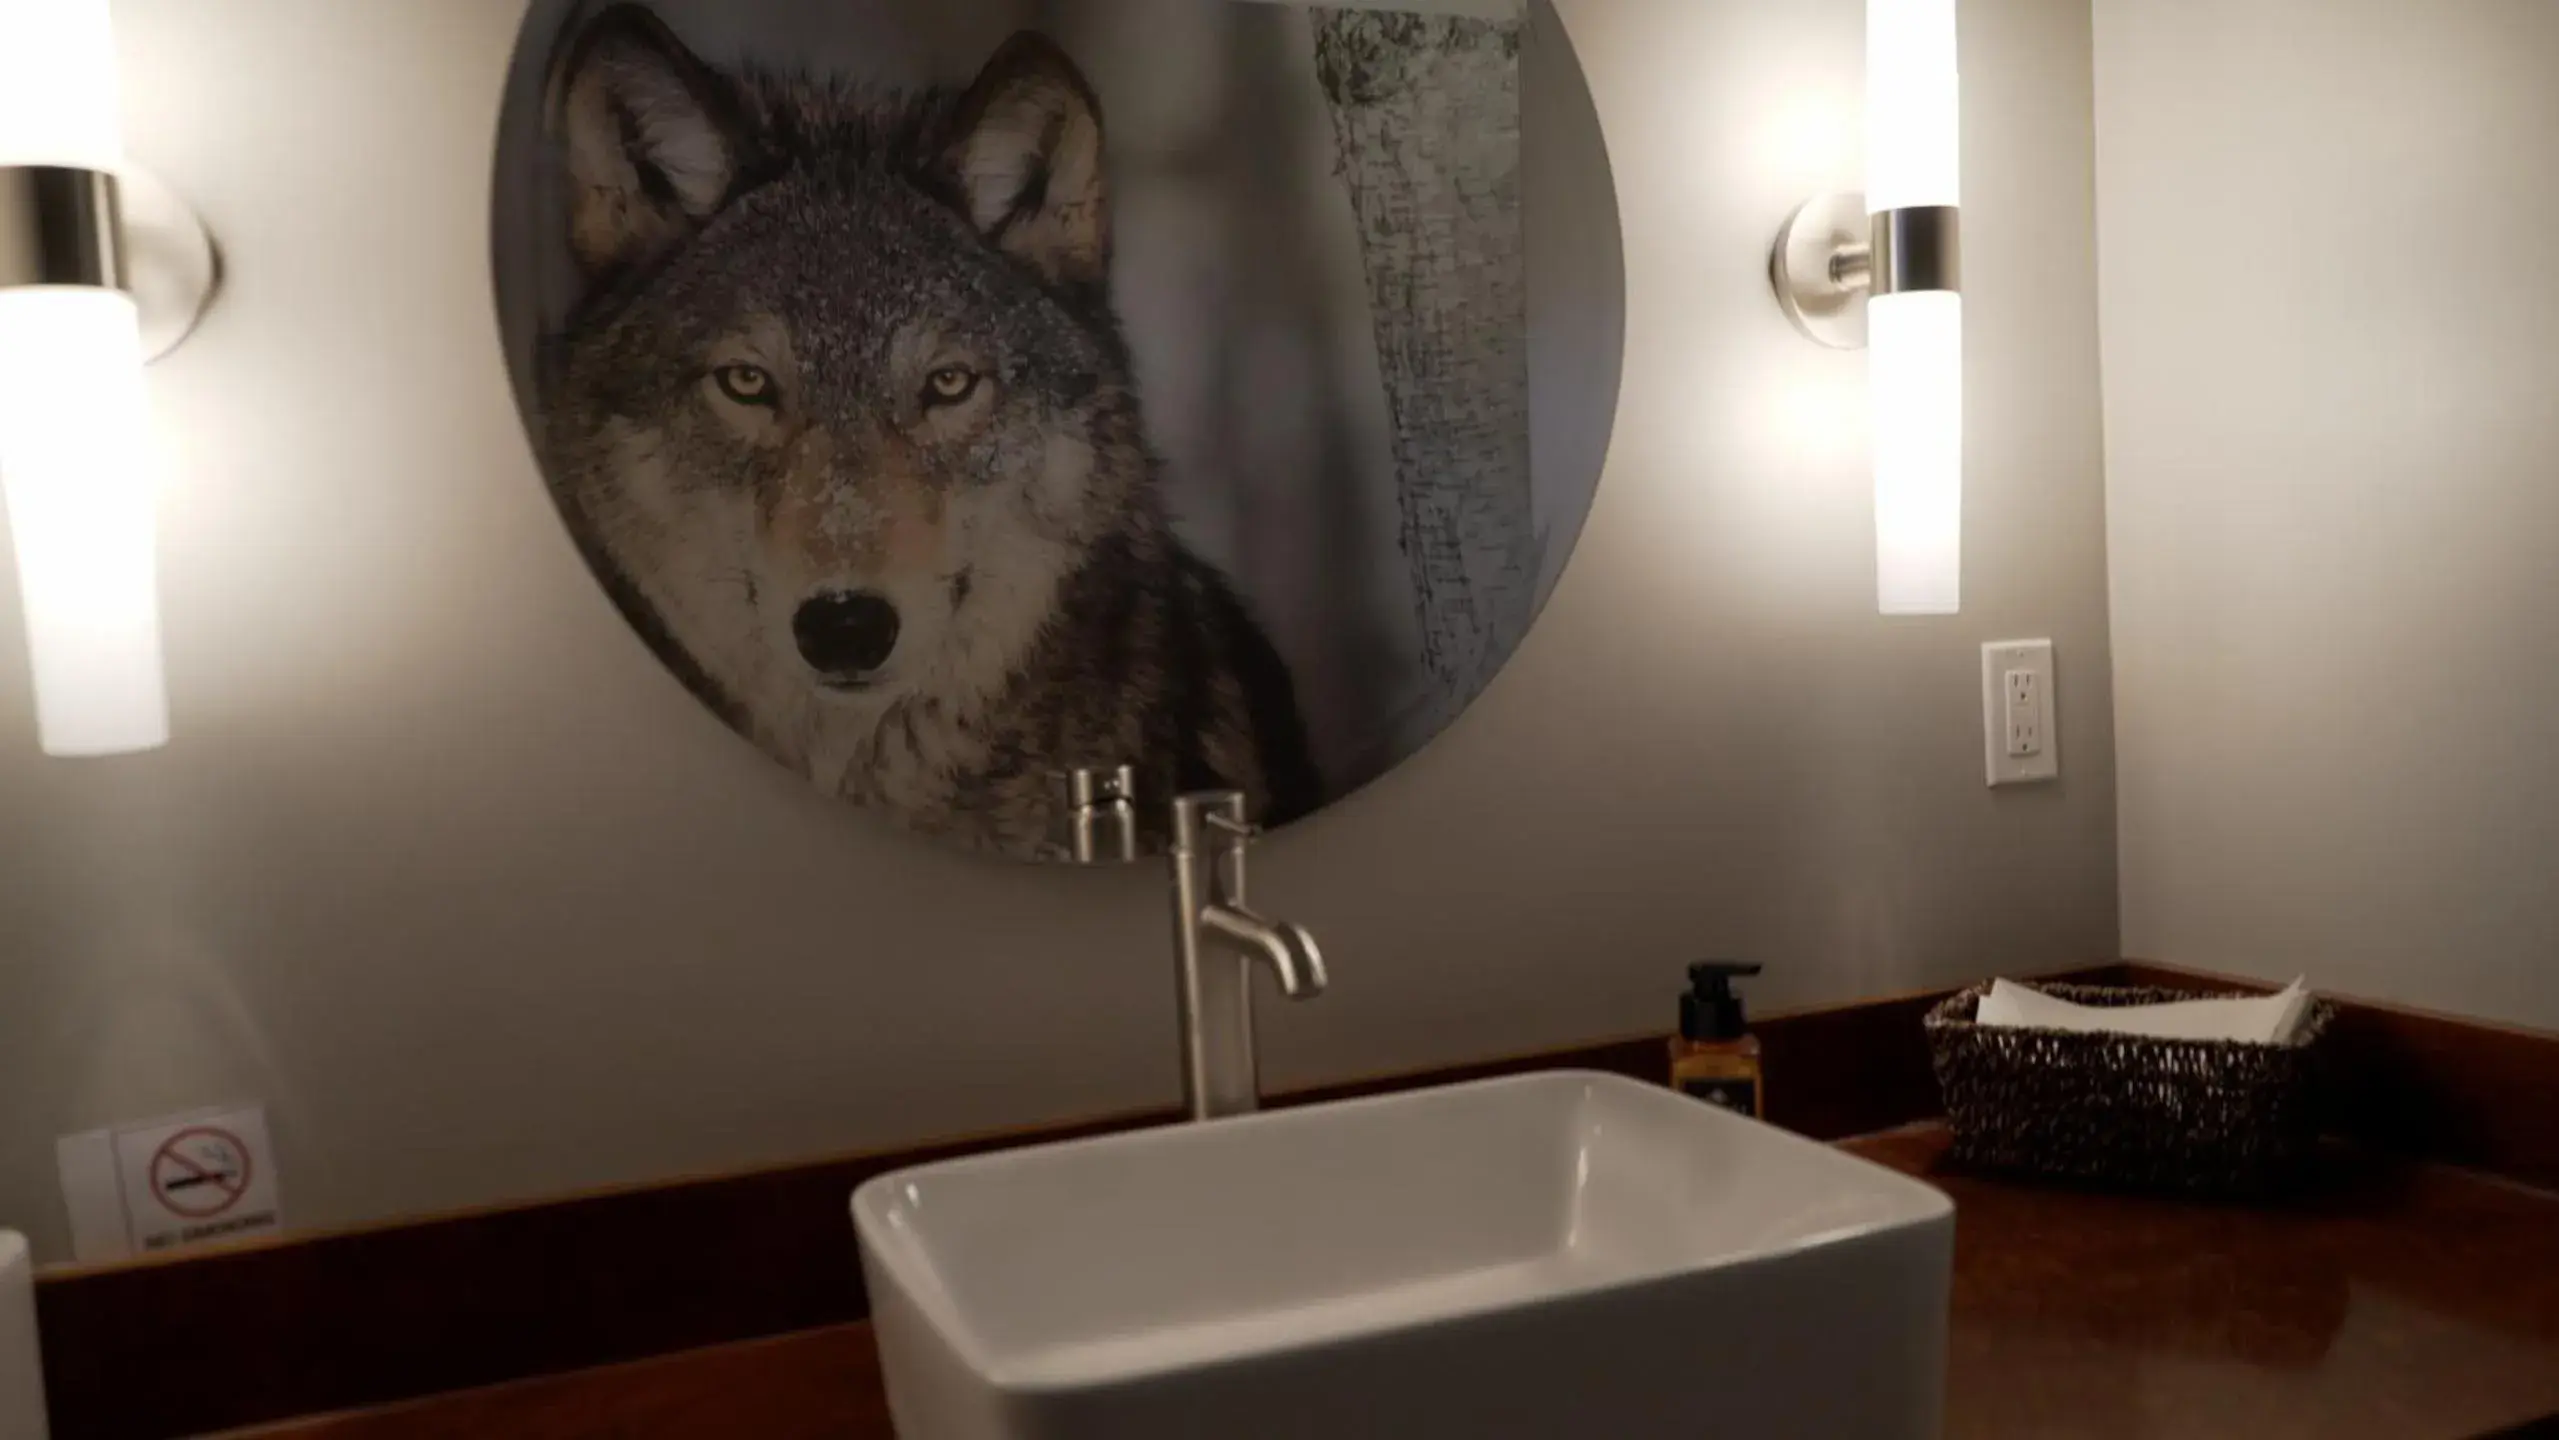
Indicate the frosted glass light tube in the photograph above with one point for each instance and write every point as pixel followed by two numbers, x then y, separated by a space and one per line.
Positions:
pixel 74 454
pixel 58 94
pixel 1915 338
pixel 1915 365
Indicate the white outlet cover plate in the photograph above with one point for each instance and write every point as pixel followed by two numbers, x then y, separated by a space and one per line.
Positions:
pixel 1998 658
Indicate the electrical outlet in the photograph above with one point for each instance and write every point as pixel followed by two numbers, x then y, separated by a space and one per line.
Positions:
pixel 2024 714
pixel 2018 708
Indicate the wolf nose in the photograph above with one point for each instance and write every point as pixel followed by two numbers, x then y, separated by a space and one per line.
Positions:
pixel 846 635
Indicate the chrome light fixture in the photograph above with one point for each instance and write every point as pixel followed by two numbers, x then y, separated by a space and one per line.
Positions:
pixel 1882 270
pixel 100 268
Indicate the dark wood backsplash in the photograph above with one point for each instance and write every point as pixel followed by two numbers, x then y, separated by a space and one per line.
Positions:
pixel 364 1317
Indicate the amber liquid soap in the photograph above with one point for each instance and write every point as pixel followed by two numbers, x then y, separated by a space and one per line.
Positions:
pixel 1714 1057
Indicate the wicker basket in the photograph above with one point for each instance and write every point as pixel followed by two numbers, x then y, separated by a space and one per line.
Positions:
pixel 2207 1117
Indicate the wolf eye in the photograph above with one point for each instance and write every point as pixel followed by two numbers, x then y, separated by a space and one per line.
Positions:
pixel 747 384
pixel 949 386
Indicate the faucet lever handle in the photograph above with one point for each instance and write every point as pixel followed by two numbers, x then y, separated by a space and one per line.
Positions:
pixel 1098 814
pixel 1088 786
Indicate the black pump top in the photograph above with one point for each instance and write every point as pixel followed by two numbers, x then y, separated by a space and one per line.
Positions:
pixel 1710 1010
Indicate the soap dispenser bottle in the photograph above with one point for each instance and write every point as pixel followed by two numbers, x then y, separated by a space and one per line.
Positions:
pixel 1715 1057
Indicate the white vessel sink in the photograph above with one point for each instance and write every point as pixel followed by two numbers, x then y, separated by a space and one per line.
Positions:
pixel 1567 1254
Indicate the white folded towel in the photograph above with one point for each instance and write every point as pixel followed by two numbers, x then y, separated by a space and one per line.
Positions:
pixel 2264 1020
pixel 21 1373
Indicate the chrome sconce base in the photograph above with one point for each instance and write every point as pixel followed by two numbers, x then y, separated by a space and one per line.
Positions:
pixel 1832 256
pixel 1823 267
pixel 125 231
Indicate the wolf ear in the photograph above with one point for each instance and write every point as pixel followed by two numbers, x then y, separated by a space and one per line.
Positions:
pixel 652 138
pixel 1026 153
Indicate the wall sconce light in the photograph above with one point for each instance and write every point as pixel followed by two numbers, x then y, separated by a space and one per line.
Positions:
pixel 1882 270
pixel 101 268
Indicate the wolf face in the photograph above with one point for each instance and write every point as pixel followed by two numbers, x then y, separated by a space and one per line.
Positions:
pixel 844 415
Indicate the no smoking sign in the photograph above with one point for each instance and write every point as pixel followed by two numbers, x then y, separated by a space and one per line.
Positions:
pixel 187 1180
pixel 200 1172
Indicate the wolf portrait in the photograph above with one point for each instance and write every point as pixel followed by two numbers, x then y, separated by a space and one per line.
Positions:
pixel 951 398
pixel 847 421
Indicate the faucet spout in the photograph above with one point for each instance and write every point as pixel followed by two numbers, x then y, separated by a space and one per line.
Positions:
pixel 1290 952
pixel 1216 939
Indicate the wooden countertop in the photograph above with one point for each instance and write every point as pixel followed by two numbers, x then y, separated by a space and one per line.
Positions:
pixel 2397 1301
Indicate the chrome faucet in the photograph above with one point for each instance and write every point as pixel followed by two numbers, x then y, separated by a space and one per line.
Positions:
pixel 1215 942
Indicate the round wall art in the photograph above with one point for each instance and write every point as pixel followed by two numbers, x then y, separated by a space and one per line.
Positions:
pixel 953 393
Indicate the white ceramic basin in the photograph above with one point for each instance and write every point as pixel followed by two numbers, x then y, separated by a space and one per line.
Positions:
pixel 1568 1254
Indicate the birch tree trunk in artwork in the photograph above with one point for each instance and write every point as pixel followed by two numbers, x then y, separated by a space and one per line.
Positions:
pixel 1426 131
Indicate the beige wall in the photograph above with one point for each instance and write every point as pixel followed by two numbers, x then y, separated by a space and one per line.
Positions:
pixel 444 868
pixel 2332 414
